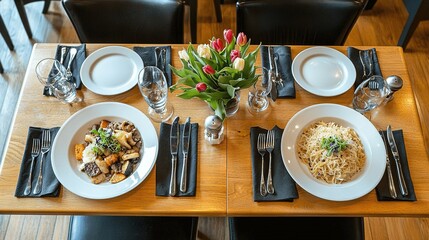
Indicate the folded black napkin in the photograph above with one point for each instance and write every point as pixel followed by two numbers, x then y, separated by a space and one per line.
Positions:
pixel 74 67
pixel 51 185
pixel 382 188
pixel 284 185
pixel 163 162
pixel 287 90
pixel 355 57
pixel 149 59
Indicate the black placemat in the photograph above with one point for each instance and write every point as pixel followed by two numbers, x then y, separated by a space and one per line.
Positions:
pixel 50 185
pixel 163 162
pixel 74 67
pixel 284 185
pixel 382 188
pixel 287 90
pixel 353 54
pixel 148 56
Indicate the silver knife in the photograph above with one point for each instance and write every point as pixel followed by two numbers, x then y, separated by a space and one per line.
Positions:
pixel 272 76
pixel 392 189
pixel 394 149
pixel 185 147
pixel 174 145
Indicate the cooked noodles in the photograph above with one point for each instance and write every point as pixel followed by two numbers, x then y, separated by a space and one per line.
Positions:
pixel 332 153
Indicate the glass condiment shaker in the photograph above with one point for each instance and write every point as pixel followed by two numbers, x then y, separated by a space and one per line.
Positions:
pixel 213 132
pixel 394 83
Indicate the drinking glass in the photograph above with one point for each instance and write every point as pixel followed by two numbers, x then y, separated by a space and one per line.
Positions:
pixel 153 87
pixel 52 73
pixel 370 94
pixel 257 100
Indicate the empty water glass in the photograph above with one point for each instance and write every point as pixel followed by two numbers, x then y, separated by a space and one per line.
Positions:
pixel 370 94
pixel 52 73
pixel 257 100
pixel 153 86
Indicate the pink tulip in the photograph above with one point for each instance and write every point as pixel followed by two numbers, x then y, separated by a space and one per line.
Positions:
pixel 208 69
pixel 228 35
pixel 234 54
pixel 201 87
pixel 241 39
pixel 217 45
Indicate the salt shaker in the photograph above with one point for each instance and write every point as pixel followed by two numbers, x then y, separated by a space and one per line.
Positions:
pixel 213 132
pixel 394 83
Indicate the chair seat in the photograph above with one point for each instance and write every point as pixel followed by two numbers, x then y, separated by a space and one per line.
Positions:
pixel 132 227
pixel 248 228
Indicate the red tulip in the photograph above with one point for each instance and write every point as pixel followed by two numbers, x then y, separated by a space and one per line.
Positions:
pixel 208 69
pixel 201 87
pixel 228 35
pixel 241 39
pixel 217 44
pixel 234 54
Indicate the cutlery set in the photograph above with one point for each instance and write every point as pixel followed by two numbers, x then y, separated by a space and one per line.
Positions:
pixel 266 143
pixel 275 77
pixel 39 146
pixel 72 55
pixel 394 149
pixel 366 57
pixel 175 138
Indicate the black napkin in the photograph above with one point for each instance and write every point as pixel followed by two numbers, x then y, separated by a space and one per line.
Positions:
pixel 74 67
pixel 163 162
pixel 284 68
pixel 284 185
pixel 51 185
pixel 353 54
pixel 382 188
pixel 149 59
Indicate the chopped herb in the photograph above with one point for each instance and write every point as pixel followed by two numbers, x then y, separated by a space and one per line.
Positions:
pixel 105 140
pixel 333 144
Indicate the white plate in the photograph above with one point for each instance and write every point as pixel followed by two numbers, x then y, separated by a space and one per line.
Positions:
pixel 364 181
pixel 323 71
pixel 73 131
pixel 111 70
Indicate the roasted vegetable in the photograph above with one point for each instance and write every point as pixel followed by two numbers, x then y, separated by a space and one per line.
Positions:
pixel 127 168
pixel 117 177
pixel 91 169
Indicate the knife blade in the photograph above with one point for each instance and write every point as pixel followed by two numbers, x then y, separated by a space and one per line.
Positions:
pixel 174 145
pixel 395 153
pixel 185 147
pixel 272 76
pixel 392 189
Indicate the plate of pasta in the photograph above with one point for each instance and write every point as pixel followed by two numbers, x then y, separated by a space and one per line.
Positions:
pixel 333 152
pixel 104 150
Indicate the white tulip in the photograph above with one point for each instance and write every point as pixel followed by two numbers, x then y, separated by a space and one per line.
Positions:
pixel 203 50
pixel 183 54
pixel 238 64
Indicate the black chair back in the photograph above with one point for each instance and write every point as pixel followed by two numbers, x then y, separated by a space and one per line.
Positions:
pixel 298 22
pixel 126 21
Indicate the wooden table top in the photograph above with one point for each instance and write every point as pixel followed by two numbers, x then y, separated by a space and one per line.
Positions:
pixel 224 185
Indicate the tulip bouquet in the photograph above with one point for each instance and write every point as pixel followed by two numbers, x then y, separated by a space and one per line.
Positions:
pixel 215 72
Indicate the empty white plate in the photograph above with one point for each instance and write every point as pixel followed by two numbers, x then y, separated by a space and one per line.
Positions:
pixel 323 71
pixel 111 70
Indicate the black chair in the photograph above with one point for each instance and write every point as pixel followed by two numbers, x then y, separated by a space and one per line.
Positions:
pixel 130 228
pixel 5 34
pixel 418 10
pixel 298 22
pixel 126 21
pixel 1 68
pixel 332 228
pixel 23 14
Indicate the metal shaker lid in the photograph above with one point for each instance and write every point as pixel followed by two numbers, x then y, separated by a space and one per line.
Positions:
pixel 394 82
pixel 213 123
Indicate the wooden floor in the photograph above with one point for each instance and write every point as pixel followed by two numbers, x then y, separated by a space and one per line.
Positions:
pixel 380 26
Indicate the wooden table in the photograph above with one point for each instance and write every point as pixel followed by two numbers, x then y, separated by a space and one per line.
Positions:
pixel 224 184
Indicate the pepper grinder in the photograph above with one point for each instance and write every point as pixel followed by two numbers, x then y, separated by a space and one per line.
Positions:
pixel 394 83
pixel 213 132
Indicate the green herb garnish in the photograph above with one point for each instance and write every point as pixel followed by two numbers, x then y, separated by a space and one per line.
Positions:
pixel 333 144
pixel 105 140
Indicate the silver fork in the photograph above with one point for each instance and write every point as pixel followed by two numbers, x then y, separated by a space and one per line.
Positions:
pixel 261 149
pixel 46 146
pixel 35 151
pixel 73 52
pixel 269 146
pixel 279 78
